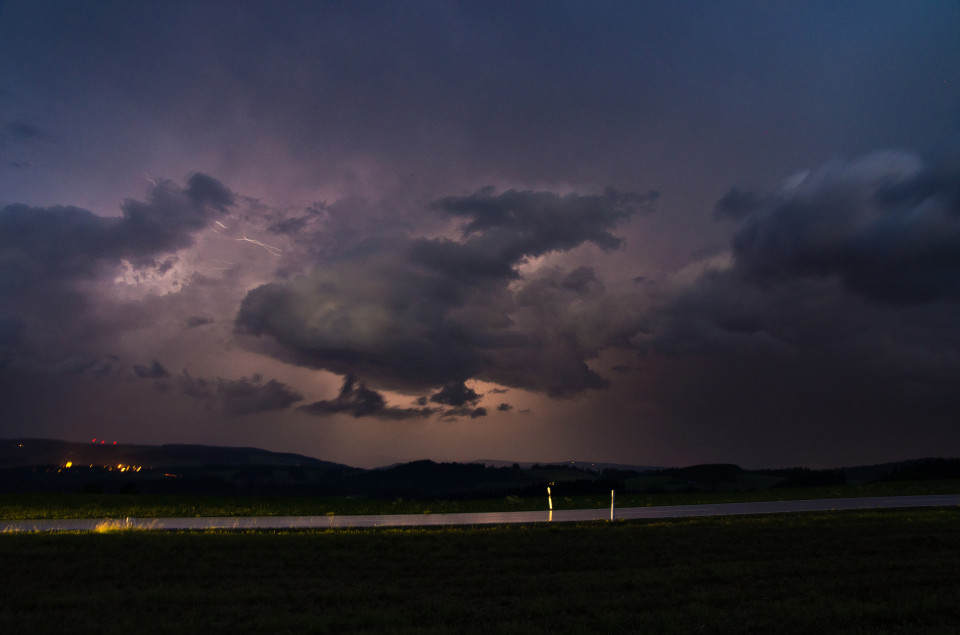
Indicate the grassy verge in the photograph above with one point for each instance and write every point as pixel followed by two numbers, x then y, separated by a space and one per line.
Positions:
pixel 849 572
pixel 26 506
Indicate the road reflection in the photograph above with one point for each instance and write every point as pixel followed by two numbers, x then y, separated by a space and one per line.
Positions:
pixel 491 518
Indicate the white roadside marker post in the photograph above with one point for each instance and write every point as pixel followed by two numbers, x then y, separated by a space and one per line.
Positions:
pixel 550 504
pixel 613 504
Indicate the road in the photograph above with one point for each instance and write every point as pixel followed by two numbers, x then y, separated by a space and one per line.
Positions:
pixel 493 518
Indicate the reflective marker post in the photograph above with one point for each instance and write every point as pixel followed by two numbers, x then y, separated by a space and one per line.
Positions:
pixel 613 504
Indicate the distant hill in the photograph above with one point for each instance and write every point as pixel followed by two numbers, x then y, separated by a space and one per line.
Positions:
pixel 581 465
pixel 31 452
pixel 44 465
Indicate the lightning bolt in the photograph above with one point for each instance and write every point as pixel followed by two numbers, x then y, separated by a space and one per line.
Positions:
pixel 272 250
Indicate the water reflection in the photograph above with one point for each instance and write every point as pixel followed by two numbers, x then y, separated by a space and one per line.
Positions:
pixel 414 520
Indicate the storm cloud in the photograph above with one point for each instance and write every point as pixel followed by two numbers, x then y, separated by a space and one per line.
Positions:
pixel 52 259
pixel 242 396
pixel 388 203
pixel 58 242
pixel 838 308
pixel 887 225
pixel 419 313
pixel 455 395
pixel 356 400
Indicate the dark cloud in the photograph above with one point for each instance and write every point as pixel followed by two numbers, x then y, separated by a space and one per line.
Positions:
pixel 504 229
pixel 457 412
pixel 37 243
pixel 359 401
pixel 51 257
pixel 286 226
pixel 246 396
pixel 504 407
pixel 736 204
pixel 379 316
pixel 517 224
pixel 198 320
pixel 336 229
pixel 568 318
pixel 154 371
pixel 204 190
pixel 455 395
pixel 839 312
pixel 887 226
pixel 421 313
pixel 196 386
pixel 22 131
pixel 165 221
pixel 242 396
pixel 52 242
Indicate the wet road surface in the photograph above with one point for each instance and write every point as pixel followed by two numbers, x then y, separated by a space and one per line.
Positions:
pixel 493 518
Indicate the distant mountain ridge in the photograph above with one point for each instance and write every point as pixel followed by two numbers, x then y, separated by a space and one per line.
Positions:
pixel 52 466
pixel 27 452
pixel 580 465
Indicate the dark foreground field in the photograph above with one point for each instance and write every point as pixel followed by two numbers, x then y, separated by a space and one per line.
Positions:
pixel 856 572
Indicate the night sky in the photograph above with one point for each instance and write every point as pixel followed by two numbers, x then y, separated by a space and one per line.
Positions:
pixel 657 233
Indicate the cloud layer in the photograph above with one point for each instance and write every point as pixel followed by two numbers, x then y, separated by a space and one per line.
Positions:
pixel 54 260
pixel 838 310
pixel 242 396
pixel 363 221
pixel 886 225
pixel 420 313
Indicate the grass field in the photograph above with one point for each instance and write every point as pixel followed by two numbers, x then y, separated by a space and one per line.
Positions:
pixel 24 506
pixel 842 572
